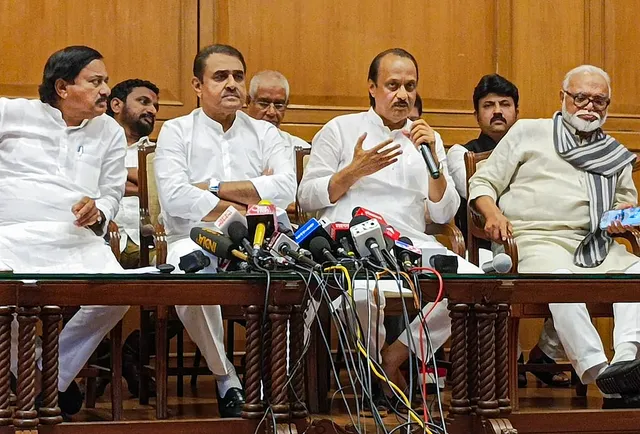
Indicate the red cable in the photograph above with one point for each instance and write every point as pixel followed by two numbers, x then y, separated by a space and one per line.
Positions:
pixel 422 326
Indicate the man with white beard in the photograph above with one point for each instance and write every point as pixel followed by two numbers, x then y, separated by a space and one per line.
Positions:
pixel 547 183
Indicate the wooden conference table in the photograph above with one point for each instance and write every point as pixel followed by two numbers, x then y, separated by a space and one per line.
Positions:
pixel 479 307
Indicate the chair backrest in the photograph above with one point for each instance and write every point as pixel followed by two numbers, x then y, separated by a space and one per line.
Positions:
pixel 471 160
pixel 149 202
pixel 302 158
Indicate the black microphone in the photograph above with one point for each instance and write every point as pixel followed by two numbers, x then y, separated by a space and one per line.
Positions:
pixel 239 234
pixel 407 255
pixel 283 245
pixel 194 262
pixel 216 244
pixel 431 163
pixel 321 250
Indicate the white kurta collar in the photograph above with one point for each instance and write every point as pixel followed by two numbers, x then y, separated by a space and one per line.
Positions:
pixel 376 120
pixel 217 126
pixel 56 114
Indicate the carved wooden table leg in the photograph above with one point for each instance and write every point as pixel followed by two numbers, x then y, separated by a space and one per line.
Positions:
pixel 265 352
pixel 296 364
pixel 458 355
pixel 6 316
pixel 253 408
pixel 502 360
pixel 49 411
pixel 279 316
pixel 487 402
pixel 472 358
pixel 26 415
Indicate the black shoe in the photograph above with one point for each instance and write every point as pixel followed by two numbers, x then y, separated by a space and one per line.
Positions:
pixel 621 377
pixel 548 378
pixel 131 373
pixel 70 401
pixel 627 401
pixel 232 403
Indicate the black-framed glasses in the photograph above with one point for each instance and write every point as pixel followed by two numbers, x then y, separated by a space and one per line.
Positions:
pixel 264 104
pixel 581 100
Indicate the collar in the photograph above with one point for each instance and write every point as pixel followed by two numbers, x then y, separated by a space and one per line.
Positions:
pixel 217 126
pixel 574 131
pixel 142 143
pixel 375 119
pixel 56 114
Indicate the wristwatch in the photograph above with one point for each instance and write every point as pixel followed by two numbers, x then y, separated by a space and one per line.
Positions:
pixel 214 186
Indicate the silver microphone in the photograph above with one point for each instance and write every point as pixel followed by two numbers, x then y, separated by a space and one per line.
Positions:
pixel 501 263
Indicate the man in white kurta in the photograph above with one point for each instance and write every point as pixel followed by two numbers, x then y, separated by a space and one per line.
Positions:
pixel 543 201
pixel 61 178
pixel 214 157
pixel 396 184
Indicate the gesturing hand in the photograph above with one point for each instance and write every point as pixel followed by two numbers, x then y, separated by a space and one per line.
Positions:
pixel 86 212
pixel 368 162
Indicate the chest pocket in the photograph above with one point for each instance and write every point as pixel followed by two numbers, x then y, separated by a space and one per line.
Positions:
pixel 87 174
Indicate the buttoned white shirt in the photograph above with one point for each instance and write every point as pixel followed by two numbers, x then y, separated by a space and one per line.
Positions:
pixel 399 192
pixel 46 166
pixel 194 148
pixel 128 218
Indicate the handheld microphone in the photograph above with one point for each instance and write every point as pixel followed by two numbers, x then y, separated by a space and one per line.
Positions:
pixel 216 244
pixel 501 263
pixel 261 222
pixel 368 237
pixel 239 234
pixel 431 163
pixel 230 215
pixel 408 256
pixel 321 250
pixel 281 245
pixel 194 262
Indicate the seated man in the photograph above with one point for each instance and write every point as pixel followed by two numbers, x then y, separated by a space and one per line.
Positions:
pixel 62 176
pixel 371 159
pixel 206 161
pixel 495 103
pixel 547 183
pixel 268 100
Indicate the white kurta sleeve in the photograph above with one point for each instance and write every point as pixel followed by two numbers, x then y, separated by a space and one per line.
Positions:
pixel 445 209
pixel 494 176
pixel 113 176
pixel 625 189
pixel 178 198
pixel 457 170
pixel 280 187
pixel 324 162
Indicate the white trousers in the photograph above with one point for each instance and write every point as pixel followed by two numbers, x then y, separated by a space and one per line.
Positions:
pixel 580 338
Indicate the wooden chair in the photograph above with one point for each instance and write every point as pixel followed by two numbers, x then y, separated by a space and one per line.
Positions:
pixel 302 158
pixel 93 371
pixel 476 232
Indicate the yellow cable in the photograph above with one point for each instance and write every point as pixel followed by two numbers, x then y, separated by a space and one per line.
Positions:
pixel 373 368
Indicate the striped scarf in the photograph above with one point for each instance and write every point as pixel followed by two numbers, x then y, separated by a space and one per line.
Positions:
pixel 603 158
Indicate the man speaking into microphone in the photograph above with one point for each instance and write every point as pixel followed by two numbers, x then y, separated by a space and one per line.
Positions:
pixel 374 159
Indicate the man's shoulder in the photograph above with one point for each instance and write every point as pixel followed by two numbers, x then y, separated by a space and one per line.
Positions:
pixel 19 107
pixel 348 119
pixel 184 120
pixel 532 124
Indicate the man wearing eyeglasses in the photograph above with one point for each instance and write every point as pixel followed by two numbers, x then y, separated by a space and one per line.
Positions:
pixel 547 183
pixel 268 99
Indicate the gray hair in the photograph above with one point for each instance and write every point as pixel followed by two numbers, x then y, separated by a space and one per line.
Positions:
pixel 257 80
pixel 590 69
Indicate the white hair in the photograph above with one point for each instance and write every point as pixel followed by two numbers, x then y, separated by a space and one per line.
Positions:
pixel 589 69
pixel 257 80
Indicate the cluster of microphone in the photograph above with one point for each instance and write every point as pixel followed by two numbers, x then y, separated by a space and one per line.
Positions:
pixel 262 238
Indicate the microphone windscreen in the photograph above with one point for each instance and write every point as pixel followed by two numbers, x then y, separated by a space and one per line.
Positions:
pixel 502 263
pixel 354 211
pixel 316 247
pixel 357 220
pixel 406 240
pixel 237 231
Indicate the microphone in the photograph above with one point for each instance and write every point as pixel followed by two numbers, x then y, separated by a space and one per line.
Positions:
pixel 194 262
pixel 281 245
pixel 431 163
pixel 239 234
pixel 311 229
pixel 388 230
pixel 230 215
pixel 261 222
pixel 368 237
pixel 321 250
pixel 407 255
pixel 501 263
pixel 216 244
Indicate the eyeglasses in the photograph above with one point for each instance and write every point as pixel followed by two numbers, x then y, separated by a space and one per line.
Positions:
pixel 581 100
pixel 264 104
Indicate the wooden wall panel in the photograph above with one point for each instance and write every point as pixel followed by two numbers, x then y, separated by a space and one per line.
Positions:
pixel 150 39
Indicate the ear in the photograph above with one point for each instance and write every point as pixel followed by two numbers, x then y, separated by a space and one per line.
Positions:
pixel 116 105
pixel 517 113
pixel 61 88
pixel 372 87
pixel 196 84
pixel 561 96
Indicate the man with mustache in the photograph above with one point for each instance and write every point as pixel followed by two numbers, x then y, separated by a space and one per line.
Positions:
pixel 62 176
pixel 547 184
pixel 206 161
pixel 495 103
pixel 371 159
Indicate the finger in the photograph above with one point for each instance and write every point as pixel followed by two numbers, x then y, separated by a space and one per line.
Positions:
pixel 390 156
pixel 361 140
pixel 388 152
pixel 86 208
pixel 378 147
pixel 495 233
pixel 89 218
pixel 78 205
pixel 504 232
pixel 510 228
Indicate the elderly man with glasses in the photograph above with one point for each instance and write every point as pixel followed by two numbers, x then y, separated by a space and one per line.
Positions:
pixel 547 183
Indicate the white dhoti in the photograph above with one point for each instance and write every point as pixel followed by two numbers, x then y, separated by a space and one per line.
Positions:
pixel 203 323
